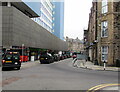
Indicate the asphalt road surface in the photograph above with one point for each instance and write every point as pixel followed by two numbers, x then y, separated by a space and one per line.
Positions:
pixel 56 76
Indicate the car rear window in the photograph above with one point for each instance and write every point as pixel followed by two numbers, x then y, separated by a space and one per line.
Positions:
pixel 15 56
pixel 8 56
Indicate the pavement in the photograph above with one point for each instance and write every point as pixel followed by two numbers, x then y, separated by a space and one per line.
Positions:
pixel 91 66
pixel 29 63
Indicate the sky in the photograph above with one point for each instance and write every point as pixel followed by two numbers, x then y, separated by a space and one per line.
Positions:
pixel 76 17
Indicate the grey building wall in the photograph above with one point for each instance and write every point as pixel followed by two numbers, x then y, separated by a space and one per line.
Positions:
pixel 0 25
pixel 19 29
pixel 0 39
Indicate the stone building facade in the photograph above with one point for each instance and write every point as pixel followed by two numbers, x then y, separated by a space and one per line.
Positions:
pixel 104 32
pixel 92 31
pixel 75 45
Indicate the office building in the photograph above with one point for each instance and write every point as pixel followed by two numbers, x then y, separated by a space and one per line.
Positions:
pixel 19 30
pixel 44 9
pixel 58 19
pixel 51 15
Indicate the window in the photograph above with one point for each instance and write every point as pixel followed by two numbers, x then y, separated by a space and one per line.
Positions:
pixel 53 6
pixel 53 12
pixel 53 24
pixel 53 18
pixel 16 56
pixel 104 50
pixel 8 56
pixel 53 30
pixel 104 29
pixel 104 6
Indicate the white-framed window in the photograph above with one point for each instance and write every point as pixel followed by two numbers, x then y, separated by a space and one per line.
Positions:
pixel 104 29
pixel 53 18
pixel 104 6
pixel 53 30
pixel 53 6
pixel 53 12
pixel 104 52
pixel 53 24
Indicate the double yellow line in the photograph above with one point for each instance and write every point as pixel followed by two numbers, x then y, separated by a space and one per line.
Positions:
pixel 98 87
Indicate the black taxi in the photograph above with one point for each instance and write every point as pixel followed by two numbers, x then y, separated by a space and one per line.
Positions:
pixel 11 60
pixel 46 58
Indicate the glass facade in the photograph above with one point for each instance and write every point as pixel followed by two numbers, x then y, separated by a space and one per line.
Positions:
pixel 51 16
pixel 58 19
pixel 44 9
pixel 35 6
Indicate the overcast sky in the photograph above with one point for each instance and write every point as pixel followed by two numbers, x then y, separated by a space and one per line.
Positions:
pixel 76 17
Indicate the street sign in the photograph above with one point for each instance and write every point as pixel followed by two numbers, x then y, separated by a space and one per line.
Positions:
pixel 81 57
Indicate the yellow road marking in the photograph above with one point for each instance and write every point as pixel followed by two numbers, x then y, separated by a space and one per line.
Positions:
pixel 100 86
pixel 105 86
pixel 95 87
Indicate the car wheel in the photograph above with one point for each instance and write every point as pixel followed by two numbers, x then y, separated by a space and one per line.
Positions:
pixel 41 62
pixel 3 69
pixel 18 68
pixel 49 62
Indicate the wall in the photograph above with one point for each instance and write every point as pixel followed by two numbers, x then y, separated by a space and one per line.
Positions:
pixel 106 41
pixel 0 24
pixel 19 29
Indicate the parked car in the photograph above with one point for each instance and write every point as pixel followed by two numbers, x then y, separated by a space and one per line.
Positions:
pixel 65 56
pixel 46 58
pixel 56 57
pixel 11 60
pixel 61 57
pixel 68 55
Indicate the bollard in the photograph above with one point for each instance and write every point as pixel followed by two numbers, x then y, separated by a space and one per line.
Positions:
pixel 104 64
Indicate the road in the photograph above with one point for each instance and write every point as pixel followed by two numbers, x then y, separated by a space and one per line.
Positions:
pixel 56 76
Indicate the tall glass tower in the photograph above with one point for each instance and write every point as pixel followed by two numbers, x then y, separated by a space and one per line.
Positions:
pixel 44 9
pixel 58 19
pixel 51 15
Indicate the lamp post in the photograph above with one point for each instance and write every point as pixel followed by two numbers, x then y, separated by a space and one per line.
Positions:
pixel 22 51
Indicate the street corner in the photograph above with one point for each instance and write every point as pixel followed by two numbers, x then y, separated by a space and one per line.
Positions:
pixel 113 87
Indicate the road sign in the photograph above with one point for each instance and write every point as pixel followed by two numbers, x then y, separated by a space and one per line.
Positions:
pixel 81 57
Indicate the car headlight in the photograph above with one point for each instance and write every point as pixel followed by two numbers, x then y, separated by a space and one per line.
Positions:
pixel 16 62
pixel 46 58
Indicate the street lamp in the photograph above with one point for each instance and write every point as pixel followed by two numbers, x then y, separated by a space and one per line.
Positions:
pixel 22 51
